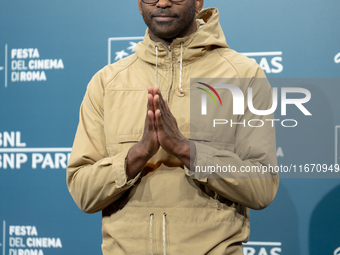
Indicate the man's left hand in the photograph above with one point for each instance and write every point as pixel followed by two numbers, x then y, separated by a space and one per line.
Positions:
pixel 169 136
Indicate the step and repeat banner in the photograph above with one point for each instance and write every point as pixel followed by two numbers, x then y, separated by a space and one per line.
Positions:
pixel 49 50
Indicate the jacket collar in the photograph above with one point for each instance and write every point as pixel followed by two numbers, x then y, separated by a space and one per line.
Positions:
pixel 194 45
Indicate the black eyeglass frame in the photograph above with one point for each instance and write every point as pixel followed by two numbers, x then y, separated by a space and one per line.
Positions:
pixel 156 1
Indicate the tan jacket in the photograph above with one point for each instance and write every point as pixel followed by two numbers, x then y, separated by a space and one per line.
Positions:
pixel 163 210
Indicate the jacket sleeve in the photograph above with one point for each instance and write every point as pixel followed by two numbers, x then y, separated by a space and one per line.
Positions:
pixel 253 147
pixel 94 179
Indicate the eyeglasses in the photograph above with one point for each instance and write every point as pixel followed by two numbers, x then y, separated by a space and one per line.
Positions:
pixel 156 1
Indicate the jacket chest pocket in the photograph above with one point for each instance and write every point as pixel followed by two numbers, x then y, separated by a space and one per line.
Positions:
pixel 124 118
pixel 213 124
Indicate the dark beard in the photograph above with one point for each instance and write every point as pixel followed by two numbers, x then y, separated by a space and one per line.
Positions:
pixel 166 29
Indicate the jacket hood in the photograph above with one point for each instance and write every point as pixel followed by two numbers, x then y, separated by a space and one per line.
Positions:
pixel 209 35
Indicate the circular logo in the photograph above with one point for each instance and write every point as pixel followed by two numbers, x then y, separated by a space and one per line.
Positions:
pixel 337 251
pixel 337 58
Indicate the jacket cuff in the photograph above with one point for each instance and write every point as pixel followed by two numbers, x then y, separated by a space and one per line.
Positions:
pixel 119 170
pixel 204 157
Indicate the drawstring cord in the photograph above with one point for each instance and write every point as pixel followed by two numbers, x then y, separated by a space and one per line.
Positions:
pixel 164 232
pixel 164 243
pixel 151 218
pixel 179 89
pixel 156 85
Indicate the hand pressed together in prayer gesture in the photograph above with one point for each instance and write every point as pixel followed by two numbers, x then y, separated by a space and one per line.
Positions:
pixel 160 130
pixel 169 136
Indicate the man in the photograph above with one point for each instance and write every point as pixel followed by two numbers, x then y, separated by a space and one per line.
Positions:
pixel 134 154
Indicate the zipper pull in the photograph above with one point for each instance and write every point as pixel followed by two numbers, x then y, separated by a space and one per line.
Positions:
pixel 170 53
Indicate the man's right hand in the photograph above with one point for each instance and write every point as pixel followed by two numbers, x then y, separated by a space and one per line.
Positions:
pixel 140 153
